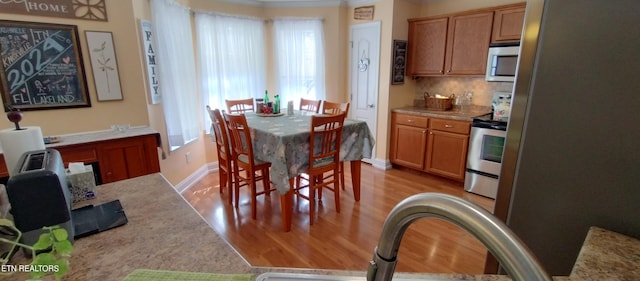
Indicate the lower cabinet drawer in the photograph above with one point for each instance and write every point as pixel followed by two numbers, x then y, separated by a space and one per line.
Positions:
pixel 452 126
pixel 411 120
pixel 80 153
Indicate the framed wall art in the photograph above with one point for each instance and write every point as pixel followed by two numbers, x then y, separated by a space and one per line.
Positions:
pixel 399 61
pixel 41 66
pixel 104 65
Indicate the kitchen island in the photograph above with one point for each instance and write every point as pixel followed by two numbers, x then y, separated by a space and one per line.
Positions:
pixel 165 233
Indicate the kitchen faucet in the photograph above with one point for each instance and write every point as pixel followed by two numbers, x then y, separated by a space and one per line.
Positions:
pixel 512 254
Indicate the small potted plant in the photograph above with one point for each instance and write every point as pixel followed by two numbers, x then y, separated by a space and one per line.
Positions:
pixel 50 254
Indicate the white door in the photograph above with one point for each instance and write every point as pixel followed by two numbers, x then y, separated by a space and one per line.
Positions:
pixel 365 58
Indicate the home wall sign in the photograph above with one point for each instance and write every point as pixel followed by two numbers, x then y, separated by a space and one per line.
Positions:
pixel 399 61
pixel 363 13
pixel 70 9
pixel 148 43
pixel 42 66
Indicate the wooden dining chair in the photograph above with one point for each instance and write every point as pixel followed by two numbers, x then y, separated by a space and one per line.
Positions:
pixel 240 106
pixel 334 108
pixel 225 154
pixel 324 160
pixel 243 159
pixel 223 149
pixel 310 105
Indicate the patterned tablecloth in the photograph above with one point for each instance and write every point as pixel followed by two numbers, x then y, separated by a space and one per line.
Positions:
pixel 284 141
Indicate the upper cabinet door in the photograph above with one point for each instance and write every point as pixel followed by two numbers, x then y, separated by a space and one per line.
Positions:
pixel 507 24
pixel 427 46
pixel 468 44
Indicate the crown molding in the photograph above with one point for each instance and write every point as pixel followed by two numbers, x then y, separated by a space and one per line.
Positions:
pixel 289 3
pixel 424 1
pixel 245 2
pixel 353 3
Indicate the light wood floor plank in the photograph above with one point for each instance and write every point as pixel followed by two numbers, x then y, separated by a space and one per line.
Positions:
pixel 344 240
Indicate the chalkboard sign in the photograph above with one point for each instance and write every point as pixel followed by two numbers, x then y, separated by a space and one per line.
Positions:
pixel 41 66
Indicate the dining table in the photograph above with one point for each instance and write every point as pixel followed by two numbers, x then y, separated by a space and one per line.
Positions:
pixel 283 140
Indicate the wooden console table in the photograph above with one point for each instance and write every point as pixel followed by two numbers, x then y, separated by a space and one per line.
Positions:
pixel 119 155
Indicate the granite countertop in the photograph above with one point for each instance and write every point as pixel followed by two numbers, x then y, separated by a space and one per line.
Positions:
pixel 165 233
pixel 455 113
pixel 606 255
pixel 95 136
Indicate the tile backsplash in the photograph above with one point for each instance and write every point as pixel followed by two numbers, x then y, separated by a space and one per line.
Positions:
pixel 482 90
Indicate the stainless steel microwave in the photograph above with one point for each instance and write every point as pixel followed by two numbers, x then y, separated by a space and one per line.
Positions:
pixel 502 63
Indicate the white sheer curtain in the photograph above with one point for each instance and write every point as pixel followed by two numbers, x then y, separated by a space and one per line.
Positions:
pixel 177 72
pixel 299 59
pixel 231 55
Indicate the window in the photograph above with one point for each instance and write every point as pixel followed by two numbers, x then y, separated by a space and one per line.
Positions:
pixel 231 58
pixel 176 67
pixel 299 45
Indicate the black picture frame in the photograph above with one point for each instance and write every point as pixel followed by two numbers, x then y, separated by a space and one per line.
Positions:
pixel 41 66
pixel 399 62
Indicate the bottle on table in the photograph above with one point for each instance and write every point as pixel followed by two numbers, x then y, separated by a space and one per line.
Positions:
pixel 266 96
pixel 276 105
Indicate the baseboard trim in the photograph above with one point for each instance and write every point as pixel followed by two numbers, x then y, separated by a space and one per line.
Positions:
pixel 200 173
pixel 381 164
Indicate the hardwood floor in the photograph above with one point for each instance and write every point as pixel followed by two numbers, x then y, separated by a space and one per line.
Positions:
pixel 344 240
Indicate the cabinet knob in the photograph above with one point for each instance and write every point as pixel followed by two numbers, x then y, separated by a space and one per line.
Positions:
pixel 410 121
pixel 448 126
pixel 430 133
pixel 424 132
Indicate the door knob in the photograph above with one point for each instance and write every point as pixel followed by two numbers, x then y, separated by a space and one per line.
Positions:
pixel 371 105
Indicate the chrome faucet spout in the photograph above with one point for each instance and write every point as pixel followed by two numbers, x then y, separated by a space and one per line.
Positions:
pixel 512 254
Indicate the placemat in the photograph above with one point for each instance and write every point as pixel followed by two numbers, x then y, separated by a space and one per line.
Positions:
pixel 162 275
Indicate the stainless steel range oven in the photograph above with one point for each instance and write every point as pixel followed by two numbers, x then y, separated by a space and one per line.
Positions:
pixel 484 160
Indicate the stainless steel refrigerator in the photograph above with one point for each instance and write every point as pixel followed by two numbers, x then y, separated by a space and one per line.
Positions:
pixel 572 153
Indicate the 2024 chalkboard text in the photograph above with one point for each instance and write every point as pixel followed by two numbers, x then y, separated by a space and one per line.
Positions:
pixel 42 66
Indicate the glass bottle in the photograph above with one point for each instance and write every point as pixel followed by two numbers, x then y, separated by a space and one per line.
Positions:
pixel 266 97
pixel 276 106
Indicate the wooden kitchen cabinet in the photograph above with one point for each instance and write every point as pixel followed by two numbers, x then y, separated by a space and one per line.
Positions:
pixel 4 172
pixel 117 158
pixel 468 44
pixel 85 153
pixel 426 46
pixel 447 150
pixel 408 140
pixel 507 24
pixel 453 45
pixel 433 145
pixel 128 158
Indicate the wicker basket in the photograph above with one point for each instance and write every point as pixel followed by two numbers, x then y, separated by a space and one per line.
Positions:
pixel 433 103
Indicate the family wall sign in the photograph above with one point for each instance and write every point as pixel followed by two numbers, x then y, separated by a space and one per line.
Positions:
pixel 72 9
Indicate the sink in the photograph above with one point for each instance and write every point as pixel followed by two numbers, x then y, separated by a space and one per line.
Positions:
pixel 281 276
